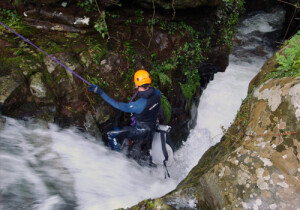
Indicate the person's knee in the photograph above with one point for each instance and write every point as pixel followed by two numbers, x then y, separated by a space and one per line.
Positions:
pixel 113 141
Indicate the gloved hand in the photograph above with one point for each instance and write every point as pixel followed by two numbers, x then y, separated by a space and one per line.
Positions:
pixel 95 89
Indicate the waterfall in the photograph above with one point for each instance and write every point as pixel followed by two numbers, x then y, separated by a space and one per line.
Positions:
pixel 46 167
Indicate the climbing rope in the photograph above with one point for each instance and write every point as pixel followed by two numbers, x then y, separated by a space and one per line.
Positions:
pixel 29 42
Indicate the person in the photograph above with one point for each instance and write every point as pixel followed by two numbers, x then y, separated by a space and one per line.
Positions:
pixel 145 112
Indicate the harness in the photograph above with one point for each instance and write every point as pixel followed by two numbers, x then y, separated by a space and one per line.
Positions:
pixel 164 131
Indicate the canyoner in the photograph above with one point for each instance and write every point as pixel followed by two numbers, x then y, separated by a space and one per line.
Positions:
pixel 144 140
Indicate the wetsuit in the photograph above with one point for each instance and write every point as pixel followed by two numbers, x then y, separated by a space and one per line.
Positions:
pixel 145 111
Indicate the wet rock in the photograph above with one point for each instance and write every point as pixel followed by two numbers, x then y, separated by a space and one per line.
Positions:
pixel 42 14
pixel 219 57
pixel 68 59
pixel 107 65
pixel 86 59
pixel 102 113
pixel 256 5
pixel 39 24
pixel 91 126
pixel 4 43
pixel 2 122
pixel 8 84
pixel 45 18
pixel 161 40
pixel 206 72
pixel 37 87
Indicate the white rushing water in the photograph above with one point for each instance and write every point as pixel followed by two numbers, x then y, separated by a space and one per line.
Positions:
pixel 50 168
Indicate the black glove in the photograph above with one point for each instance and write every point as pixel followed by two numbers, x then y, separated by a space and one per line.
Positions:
pixel 95 89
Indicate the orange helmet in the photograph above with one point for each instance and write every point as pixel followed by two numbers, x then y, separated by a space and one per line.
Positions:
pixel 142 77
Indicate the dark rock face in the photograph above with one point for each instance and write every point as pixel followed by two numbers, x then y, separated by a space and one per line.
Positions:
pixel 219 57
pixel 47 1
pixel 265 5
pixel 179 4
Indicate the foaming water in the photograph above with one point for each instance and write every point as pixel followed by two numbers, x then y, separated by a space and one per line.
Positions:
pixel 45 167
pixel 80 172
pixel 223 96
pixel 106 179
pixel 218 107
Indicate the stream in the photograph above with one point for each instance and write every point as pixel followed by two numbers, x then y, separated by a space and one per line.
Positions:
pixel 44 167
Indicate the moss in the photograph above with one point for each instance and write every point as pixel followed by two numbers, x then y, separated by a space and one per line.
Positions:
pixel 237 131
pixel 150 204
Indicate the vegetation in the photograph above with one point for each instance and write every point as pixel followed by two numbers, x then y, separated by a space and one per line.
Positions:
pixel 87 5
pixel 227 19
pixel 188 58
pixel 14 21
pixel 130 53
pixel 96 50
pixel 288 59
pixel 101 26
pixel 166 106
pixel 97 80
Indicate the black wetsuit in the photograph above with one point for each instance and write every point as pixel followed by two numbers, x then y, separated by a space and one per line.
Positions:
pixel 145 111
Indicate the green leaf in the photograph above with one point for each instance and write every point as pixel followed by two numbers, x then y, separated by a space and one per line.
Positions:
pixel 166 106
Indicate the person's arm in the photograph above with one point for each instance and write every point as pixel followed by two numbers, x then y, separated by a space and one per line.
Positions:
pixel 132 107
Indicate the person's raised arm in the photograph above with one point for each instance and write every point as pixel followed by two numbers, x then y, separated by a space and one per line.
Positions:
pixel 132 107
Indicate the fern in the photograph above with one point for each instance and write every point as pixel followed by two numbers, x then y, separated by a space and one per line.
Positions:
pixel 288 60
pixel 97 52
pixel 166 106
pixel 187 91
pixel 163 78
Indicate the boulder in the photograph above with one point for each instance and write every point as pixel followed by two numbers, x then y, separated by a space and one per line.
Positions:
pixel 37 87
pixel 85 59
pixel 107 64
pixel 262 171
pixel 8 84
pixel 103 112
pixel 91 126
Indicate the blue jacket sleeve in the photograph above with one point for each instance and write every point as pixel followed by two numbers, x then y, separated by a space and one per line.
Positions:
pixel 132 107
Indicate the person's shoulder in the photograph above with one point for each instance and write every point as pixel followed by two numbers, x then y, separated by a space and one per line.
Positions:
pixel 157 92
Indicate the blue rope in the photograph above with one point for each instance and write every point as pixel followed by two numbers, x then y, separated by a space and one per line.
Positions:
pixel 26 40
